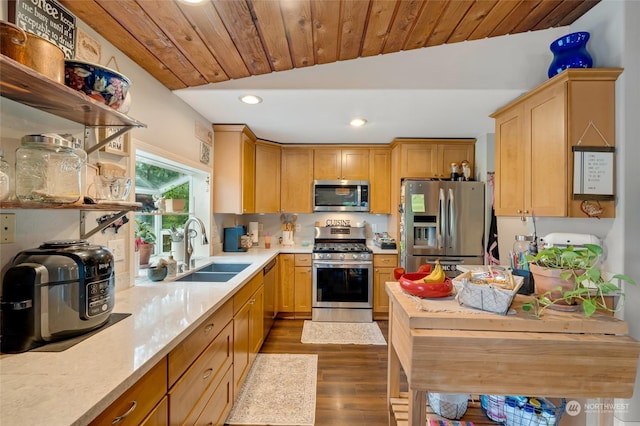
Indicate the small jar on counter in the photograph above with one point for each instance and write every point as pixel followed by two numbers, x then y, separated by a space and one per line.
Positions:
pixel 49 169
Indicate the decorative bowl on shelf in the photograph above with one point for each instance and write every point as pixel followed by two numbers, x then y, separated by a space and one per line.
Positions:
pixel 410 284
pixel 100 83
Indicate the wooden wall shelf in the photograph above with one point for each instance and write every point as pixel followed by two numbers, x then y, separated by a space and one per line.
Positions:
pixel 24 85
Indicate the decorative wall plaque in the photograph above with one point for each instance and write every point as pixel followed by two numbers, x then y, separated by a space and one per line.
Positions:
pixel 47 19
pixel 593 172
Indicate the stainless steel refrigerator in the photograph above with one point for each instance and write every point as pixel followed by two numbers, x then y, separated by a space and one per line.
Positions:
pixel 441 220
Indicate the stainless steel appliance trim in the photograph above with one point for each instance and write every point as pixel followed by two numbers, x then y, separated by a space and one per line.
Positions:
pixel 341 315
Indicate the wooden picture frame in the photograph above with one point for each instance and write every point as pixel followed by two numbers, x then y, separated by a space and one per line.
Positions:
pixel 118 146
pixel 593 173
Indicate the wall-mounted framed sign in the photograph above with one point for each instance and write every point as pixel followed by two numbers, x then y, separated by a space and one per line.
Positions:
pixel 118 146
pixel 593 172
pixel 47 19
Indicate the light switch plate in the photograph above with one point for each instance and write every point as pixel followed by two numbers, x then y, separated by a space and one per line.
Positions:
pixel 117 249
pixel 7 228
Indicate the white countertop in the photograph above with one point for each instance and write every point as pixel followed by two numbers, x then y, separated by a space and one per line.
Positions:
pixel 73 386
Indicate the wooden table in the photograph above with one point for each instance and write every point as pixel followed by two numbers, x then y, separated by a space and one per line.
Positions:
pixel 445 348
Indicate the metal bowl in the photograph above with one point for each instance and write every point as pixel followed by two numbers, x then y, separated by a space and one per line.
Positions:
pixel 100 83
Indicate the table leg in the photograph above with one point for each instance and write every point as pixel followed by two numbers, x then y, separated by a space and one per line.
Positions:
pixel 417 407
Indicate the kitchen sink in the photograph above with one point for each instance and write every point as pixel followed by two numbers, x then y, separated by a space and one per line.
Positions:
pixel 225 267
pixel 209 277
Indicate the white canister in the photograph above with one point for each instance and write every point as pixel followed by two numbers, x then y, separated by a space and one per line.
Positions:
pixel 178 250
pixel 287 238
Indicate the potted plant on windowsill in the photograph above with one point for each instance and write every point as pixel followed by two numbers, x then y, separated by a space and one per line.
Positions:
pixel 176 198
pixel 145 240
pixel 568 278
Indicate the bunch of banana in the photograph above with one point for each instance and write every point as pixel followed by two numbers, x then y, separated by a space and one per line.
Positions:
pixel 436 276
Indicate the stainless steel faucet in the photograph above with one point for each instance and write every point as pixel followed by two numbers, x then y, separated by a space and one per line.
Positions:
pixel 188 249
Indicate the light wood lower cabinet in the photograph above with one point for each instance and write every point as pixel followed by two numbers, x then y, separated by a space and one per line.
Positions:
pixel 138 402
pixel 383 266
pixel 191 393
pixel 248 328
pixel 294 286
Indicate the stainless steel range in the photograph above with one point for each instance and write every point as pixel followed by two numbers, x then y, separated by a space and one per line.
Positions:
pixel 342 275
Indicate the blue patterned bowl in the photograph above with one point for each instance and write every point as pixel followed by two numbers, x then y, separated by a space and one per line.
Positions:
pixel 100 83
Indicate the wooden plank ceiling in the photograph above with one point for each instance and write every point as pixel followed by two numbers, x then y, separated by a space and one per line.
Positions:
pixel 185 45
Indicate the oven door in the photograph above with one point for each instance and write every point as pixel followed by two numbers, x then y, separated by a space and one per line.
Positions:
pixel 342 284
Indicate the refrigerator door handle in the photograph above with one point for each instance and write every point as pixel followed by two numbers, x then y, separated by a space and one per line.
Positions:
pixel 441 218
pixel 451 217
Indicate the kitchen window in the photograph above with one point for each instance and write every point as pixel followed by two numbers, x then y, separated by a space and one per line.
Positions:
pixel 166 190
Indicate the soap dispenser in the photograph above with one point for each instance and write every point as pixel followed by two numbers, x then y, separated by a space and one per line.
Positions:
pixel 172 266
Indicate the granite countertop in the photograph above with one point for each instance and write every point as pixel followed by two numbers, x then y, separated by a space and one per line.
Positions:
pixel 73 386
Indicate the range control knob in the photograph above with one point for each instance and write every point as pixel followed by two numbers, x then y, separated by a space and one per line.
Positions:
pixel 355 256
pixel 341 257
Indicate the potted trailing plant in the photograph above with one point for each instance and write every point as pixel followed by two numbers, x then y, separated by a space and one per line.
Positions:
pixel 145 240
pixel 567 278
pixel 176 198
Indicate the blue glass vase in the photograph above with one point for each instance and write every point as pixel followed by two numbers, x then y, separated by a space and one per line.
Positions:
pixel 570 51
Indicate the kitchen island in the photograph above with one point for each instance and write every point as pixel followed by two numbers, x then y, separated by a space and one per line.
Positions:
pixel 442 347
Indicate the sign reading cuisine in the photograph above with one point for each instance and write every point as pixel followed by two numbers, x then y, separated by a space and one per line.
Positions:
pixel 47 19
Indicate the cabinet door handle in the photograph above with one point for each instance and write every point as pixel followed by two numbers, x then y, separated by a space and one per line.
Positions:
pixel 207 373
pixel 252 301
pixel 118 419
pixel 208 328
pixel 518 211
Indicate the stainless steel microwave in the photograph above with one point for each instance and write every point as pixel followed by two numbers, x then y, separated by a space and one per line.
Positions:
pixel 340 195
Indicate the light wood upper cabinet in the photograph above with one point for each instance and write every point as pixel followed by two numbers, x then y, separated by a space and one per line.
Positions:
pixel 380 180
pixel 432 158
pixel 333 163
pixel 233 169
pixel 534 139
pixel 296 180
pixel 267 180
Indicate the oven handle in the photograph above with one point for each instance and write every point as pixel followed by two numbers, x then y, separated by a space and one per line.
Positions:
pixel 341 264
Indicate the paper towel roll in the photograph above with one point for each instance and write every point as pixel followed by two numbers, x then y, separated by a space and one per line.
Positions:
pixel 253 232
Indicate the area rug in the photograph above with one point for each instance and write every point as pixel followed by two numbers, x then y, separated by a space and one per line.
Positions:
pixel 280 389
pixel 357 333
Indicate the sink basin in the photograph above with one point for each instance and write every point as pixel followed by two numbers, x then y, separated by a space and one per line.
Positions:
pixel 210 277
pixel 225 267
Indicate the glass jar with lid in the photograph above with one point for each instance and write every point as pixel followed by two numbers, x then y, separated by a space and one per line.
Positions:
pixel 48 169
pixel 520 250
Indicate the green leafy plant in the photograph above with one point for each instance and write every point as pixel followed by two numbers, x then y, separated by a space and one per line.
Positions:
pixel 590 287
pixel 178 192
pixel 144 233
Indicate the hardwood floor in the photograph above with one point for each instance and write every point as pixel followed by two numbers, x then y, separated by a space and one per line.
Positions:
pixel 352 379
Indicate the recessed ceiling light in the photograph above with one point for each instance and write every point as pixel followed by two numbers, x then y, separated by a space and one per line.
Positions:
pixel 358 122
pixel 251 99
pixel 192 1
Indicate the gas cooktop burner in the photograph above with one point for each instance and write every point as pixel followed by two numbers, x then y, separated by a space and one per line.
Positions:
pixel 341 248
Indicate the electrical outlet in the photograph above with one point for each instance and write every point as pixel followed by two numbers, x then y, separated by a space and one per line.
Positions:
pixel 298 227
pixel 7 228
pixel 117 249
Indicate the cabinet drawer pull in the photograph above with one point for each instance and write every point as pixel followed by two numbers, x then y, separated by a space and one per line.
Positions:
pixel 125 415
pixel 208 328
pixel 207 373
pixel 252 301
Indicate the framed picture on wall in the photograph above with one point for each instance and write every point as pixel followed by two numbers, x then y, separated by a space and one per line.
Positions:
pixel 118 146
